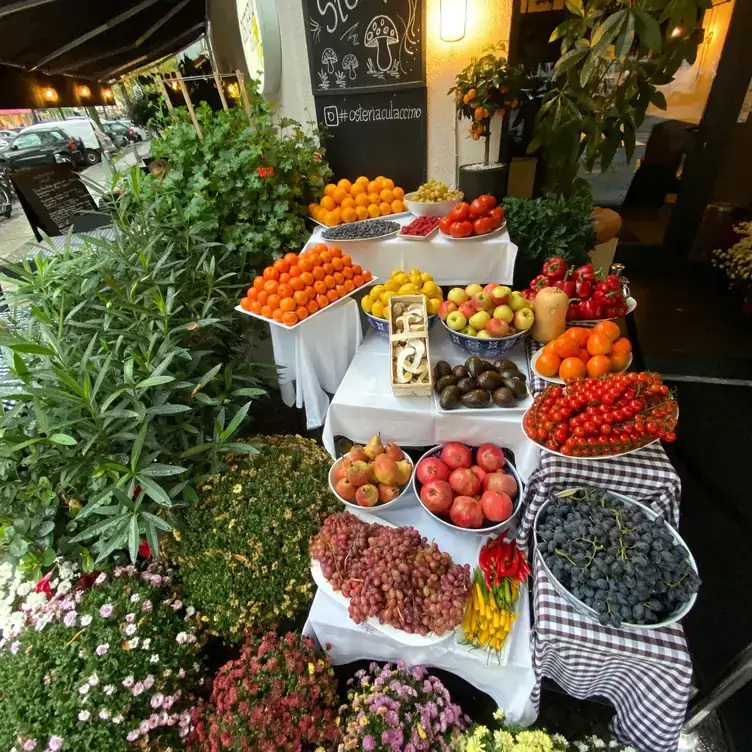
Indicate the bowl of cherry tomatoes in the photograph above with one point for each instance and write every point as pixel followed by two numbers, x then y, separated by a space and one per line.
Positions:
pixel 470 221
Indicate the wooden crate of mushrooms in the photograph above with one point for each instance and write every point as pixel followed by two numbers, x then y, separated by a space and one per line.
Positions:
pixel 408 346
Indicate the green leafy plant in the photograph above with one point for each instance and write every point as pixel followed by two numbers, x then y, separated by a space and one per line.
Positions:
pixel 132 377
pixel 248 184
pixel 487 87
pixel 107 670
pixel 244 550
pixel 615 53
pixel 550 226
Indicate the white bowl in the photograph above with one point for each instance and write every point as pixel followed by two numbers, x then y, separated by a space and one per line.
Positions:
pixel 429 208
pixel 495 528
pixel 401 501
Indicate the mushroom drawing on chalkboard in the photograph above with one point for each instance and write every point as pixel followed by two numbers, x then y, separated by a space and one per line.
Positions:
pixel 350 63
pixel 381 33
pixel 329 58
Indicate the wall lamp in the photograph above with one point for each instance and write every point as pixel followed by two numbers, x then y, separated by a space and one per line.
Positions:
pixel 453 20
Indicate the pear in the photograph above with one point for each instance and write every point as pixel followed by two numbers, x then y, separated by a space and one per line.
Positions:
pixel 374 447
pixel 405 470
pixel 356 454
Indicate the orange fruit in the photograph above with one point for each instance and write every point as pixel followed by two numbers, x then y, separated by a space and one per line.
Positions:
pixel 256 308
pixel 549 348
pixel 271 273
pixel 349 285
pixel 565 347
pixel 579 334
pixel 609 328
pixel 291 258
pixel 362 200
pixel 332 295
pixel 310 293
pixel 387 183
pixel 362 212
pixel 367 276
pixel 344 185
pixel 399 193
pixel 373 211
pixel 374 187
pixel 304 265
pixel 289 318
pixel 312 209
pixel 599 344
pixel 397 206
pixel 294 272
pixel 321 247
pixel 267 312
pixel 363 180
pixel 313 258
pixel 340 290
pixel 328 268
pixel 329 219
pixel 598 365
pixel 262 297
pixel 300 297
pixel 297 284
pixel 306 278
pixel 287 304
pixel 325 256
pixel 346 260
pixel 270 286
pixel 336 215
pixel 322 301
pixel 623 345
pixel 258 283
pixel 357 190
pixel 284 291
pixel 329 190
pixel 336 251
pixel 583 355
pixel 356 269
pixel 347 272
pixel 312 306
pixel 273 301
pixel 387 196
pixel 301 312
pixel 384 209
pixel 338 278
pixel 349 215
pixel 245 304
pixel 572 369
pixel 281 265
pixel 328 202
pixel 329 281
pixel 278 315
pixel 318 272
pixel 348 203
pixel 358 280
pixel 374 198
pixel 339 195
pixel 548 363
pixel 337 264
pixel 284 278
pixel 251 293
pixel 619 359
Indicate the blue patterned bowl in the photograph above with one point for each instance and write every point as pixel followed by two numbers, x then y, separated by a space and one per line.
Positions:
pixel 485 348
pixel 382 325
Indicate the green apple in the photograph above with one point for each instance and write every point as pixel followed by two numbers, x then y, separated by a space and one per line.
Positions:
pixel 478 320
pixel 517 300
pixel 456 321
pixel 523 319
pixel 457 295
pixel 483 334
pixel 503 312
pixel 473 289
pixel 469 331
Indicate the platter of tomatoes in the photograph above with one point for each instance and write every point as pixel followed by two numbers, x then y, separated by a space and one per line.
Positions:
pixel 470 221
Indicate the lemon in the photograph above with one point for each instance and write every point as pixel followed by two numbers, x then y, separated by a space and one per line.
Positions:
pixel 386 295
pixel 377 310
pixel 415 271
pixel 400 278
pixel 367 304
pixel 391 286
pixel 408 289
pixel 375 292
pixel 431 289
pixel 416 280
pixel 426 277
pixel 395 273
pixel 386 312
pixel 433 306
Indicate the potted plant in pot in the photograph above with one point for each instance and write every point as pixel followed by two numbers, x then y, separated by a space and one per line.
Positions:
pixel 487 88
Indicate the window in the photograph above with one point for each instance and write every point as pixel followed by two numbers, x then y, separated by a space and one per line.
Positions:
pixel 56 136
pixel 27 140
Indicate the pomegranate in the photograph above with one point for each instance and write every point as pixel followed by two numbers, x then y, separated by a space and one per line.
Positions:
pixel 385 469
pixel 367 496
pixel 345 490
pixel 437 496
pixel 501 483
pixel 490 457
pixel 388 493
pixel 496 506
pixel 393 452
pixel 480 473
pixel 464 482
pixel 359 473
pixel 456 455
pixel 431 468
pixel 466 512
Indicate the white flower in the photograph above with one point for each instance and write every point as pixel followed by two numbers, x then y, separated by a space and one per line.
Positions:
pixel 189 612
pixel 84 689
pixel 167 673
pixel 101 579
pixel 14 647
pixel 154 658
pixel 109 689
pixel 104 714
pixel 128 682
pixel 70 618
pixel 135 598
pixel 64 587
pixel 93 680
pixel 86 620
pixel 133 643
pixel 25 588
pixel 146 644
pixel 177 605
pixel 102 649
pixel 130 629
pixel 130 618
pixel 149 681
pixel 598 743
pixel 156 700
pixel 117 719
pixel 581 746
pixel 84 715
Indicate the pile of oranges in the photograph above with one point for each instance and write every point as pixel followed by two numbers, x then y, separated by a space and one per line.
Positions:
pixel 299 285
pixel 581 352
pixel 363 199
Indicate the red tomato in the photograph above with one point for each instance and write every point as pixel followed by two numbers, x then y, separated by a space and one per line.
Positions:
pixel 489 202
pixel 483 225
pixel 477 209
pixel 498 213
pixel 445 223
pixel 461 229
pixel 460 212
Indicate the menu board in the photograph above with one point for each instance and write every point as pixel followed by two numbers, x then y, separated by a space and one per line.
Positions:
pixel 52 197
pixel 361 45
pixel 378 133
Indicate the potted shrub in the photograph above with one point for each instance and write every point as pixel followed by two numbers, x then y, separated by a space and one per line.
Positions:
pixel 487 89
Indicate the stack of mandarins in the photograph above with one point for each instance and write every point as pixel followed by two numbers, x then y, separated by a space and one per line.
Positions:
pixel 363 199
pixel 296 286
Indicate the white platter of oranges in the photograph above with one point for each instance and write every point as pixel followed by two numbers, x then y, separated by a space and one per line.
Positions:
pixel 345 201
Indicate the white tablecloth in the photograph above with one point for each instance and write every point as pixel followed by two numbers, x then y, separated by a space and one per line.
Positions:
pixel 510 686
pixel 365 404
pixel 450 262
pixel 315 356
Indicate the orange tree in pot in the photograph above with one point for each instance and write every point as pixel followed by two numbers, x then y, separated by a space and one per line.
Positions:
pixel 486 90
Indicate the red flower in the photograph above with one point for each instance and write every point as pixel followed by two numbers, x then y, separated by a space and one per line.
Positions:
pixel 43 586
pixel 265 172
pixel 144 549
pixel 86 581
pixel 316 157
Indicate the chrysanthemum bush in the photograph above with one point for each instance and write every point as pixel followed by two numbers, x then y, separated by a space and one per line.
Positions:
pixel 279 695
pixel 109 669
pixel 244 551
pixel 399 709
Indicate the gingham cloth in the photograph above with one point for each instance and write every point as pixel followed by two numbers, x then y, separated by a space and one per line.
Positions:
pixel 646 674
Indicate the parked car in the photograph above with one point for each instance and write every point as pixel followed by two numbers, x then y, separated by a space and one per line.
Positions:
pixel 94 139
pixel 31 149
pixel 121 133
pixel 6 137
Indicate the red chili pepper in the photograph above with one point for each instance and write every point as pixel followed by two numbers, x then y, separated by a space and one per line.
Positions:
pixel 555 268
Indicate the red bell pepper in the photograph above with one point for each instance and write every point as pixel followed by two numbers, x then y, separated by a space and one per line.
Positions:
pixel 585 273
pixel 529 294
pixel 573 312
pixel 569 286
pixel 613 282
pixel 555 268
pixel 583 289
pixel 539 282
pixel 590 309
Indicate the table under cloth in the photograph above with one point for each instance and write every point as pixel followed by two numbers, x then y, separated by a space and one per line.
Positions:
pixel 450 262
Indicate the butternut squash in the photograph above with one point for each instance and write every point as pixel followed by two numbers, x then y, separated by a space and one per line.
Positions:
pixel 551 305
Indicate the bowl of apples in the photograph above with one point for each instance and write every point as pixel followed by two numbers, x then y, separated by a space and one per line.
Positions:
pixel 375 476
pixel 468 489
pixel 486 321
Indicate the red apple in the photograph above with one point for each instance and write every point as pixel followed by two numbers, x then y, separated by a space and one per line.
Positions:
pixel 345 490
pixel 367 496
pixel 466 512
pixel 445 308
pixel 480 473
pixel 490 286
pixel 467 309
pixel 483 301
pixel 501 483
pixel 388 493
pixel 431 468
pixel 456 455
pixel 464 482
pixel 437 496
pixel 359 473
pixel 497 328
pixel 496 506
pixel 393 451
pixel 385 470
pixel 490 457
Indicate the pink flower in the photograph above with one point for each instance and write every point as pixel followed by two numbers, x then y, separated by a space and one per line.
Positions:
pixel 146 606
pixel 69 619
pixel 43 586
pixel 149 681
pixel 138 688
pixel 102 649
pixel 30 744
pixel 157 700
pixel 54 743
pixel 106 611
pixel 132 736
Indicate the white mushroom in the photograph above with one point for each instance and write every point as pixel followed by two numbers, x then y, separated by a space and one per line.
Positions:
pixel 403 353
pixel 328 58
pixel 350 63
pixel 420 350
pixel 381 33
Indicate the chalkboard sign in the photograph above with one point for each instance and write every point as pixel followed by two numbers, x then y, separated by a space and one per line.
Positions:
pixel 361 45
pixel 381 133
pixel 52 197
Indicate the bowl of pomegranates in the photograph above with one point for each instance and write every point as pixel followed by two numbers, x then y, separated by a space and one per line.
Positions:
pixel 469 489
pixel 375 476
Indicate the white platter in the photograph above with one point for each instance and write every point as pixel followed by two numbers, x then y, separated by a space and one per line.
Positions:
pixel 631 305
pixel 313 315
pixel 497 231
pixel 557 379
pixel 419 237
pixel 396 634
pixel 388 216
pixel 404 499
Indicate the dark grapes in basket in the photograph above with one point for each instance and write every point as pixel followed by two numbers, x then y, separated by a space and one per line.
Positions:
pixel 615 558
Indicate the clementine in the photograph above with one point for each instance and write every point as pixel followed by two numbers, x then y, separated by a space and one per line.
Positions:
pixel 599 344
pixel 623 345
pixel 572 369
pixel 288 318
pixel 548 363
pixel 565 347
pixel 598 365
pixel 619 360
pixel 287 304
pixel 579 334
pixel 609 328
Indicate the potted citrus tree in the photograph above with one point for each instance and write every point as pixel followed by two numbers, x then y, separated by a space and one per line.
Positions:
pixel 485 91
